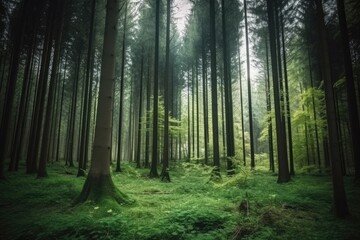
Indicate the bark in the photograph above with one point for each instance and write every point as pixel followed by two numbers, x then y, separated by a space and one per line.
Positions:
pixel 341 208
pixel 214 104
pixel 45 145
pixel 205 99
pixel 229 118
pixel 283 175
pixel 123 58
pixel 147 135
pixel 242 112
pixel 287 99
pixel 251 128
pixel 35 144
pixel 350 89
pixel 99 185
pixel 153 171
pixel 11 84
pixel 85 131
pixel 165 176
pixel 268 108
pixel 138 151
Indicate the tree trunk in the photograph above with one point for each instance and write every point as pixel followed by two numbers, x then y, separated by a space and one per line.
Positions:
pixel 287 99
pixel 205 99
pixel 268 108
pixel 85 131
pixel 350 89
pixel 283 175
pixel 214 104
pixel 242 112
pixel 251 128
pixel 11 84
pixel 153 171
pixel 45 145
pixel 340 201
pixel 123 59
pixel 229 118
pixel 138 151
pixel 35 144
pixel 165 168
pixel 99 185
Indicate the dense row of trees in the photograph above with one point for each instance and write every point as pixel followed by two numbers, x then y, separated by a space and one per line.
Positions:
pixel 259 82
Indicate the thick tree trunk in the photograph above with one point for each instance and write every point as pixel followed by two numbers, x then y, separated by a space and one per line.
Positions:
pixel 99 185
pixel 148 107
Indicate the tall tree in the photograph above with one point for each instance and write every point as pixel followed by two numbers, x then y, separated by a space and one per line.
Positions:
pixel 11 83
pixel 99 185
pixel 214 104
pixel 283 175
pixel 230 139
pixel 121 103
pixel 85 131
pixel 252 147
pixel 165 168
pixel 350 88
pixel 340 201
pixel 154 160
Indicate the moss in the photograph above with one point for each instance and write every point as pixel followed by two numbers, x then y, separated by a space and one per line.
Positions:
pixel 100 188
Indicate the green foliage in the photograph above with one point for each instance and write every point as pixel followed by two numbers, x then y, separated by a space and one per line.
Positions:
pixel 190 207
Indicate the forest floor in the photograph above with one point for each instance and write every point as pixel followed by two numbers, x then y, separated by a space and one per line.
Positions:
pixel 249 205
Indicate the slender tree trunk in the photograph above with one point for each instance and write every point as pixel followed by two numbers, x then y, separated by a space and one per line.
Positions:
pixel 165 168
pixel 283 175
pixel 242 112
pixel 188 119
pixel 287 99
pixel 230 139
pixel 45 146
pixel 86 114
pixel 123 58
pixel 215 124
pixel 314 113
pixel 251 128
pixel 148 107
pixel 138 151
pixel 268 108
pixel 153 171
pixel 205 99
pixel 340 201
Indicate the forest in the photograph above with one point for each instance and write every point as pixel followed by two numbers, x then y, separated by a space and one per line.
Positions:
pixel 179 119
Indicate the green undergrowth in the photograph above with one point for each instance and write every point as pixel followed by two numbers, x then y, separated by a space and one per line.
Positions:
pixel 248 205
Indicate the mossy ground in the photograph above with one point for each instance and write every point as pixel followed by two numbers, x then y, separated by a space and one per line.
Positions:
pixel 190 207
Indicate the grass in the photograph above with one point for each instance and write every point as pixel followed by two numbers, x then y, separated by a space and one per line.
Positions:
pixel 249 205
